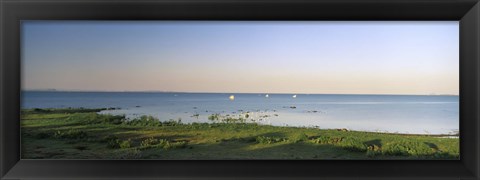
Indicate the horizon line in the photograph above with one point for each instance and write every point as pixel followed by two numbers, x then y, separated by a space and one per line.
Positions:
pixel 158 91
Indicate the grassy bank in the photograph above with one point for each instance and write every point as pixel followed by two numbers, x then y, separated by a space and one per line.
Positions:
pixel 84 134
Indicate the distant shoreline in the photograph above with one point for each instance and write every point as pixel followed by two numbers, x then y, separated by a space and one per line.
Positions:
pixel 179 92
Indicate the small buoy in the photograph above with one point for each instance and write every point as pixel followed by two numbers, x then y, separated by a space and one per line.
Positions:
pixel 232 97
pixel 266 96
pixel 294 96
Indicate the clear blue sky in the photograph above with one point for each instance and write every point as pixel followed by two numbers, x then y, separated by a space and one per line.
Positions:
pixel 265 57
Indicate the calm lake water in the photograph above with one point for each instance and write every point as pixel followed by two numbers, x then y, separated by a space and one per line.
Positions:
pixel 382 113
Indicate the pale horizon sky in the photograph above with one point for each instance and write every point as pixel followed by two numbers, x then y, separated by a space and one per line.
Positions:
pixel 314 57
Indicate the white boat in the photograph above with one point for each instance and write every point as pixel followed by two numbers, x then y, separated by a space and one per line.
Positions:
pixel 294 96
pixel 266 96
pixel 232 97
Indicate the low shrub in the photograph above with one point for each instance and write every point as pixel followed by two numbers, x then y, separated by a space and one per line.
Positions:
pixel 233 120
pixel 352 144
pixel 177 145
pixel 144 121
pixel 125 144
pixel 112 119
pixel 147 143
pixel 172 122
pixel 299 137
pixel 406 148
pixel 214 117
pixel 165 144
pixel 373 150
pixel 150 121
pixel 269 139
pixel 161 143
pixel 217 118
pixel 70 134
pixel 327 140
pixel 116 143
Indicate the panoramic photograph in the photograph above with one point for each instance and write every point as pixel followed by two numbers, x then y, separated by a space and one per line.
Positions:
pixel 240 90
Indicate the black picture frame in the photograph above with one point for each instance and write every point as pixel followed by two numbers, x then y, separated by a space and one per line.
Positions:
pixel 467 12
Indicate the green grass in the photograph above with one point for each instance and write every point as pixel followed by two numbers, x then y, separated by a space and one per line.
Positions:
pixel 84 134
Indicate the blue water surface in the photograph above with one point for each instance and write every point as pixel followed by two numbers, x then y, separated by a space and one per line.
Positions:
pixel 414 114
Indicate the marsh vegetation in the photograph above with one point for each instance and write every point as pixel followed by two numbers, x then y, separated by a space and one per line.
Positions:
pixel 85 134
